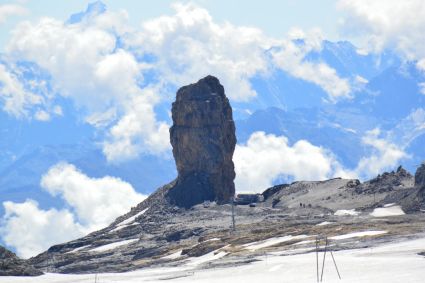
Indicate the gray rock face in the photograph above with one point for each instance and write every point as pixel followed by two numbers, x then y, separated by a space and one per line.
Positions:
pixel 11 265
pixel 420 176
pixel 203 140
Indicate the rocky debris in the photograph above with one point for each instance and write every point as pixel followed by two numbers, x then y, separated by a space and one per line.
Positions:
pixel 387 182
pixel 203 140
pixel 11 265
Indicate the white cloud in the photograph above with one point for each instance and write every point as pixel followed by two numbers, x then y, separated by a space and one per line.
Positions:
pixel 387 23
pixel 8 10
pixel 73 54
pixel 264 158
pixel 190 45
pixel 93 204
pixel 267 157
pixel 87 67
pixel 385 155
pixel 42 115
pixel 290 55
pixel 17 100
pixel 96 202
pixel 31 230
pixel 137 130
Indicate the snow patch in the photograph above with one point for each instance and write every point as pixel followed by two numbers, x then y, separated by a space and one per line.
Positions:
pixel 214 255
pixel 212 240
pixel 113 245
pixel 304 242
pixel 120 227
pixel 389 204
pixel 358 234
pixel 77 249
pixel 173 255
pixel 324 223
pixel 132 218
pixel 271 242
pixel 387 211
pixel 346 212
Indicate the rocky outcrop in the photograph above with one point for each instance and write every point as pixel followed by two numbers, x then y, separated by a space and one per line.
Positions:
pixel 387 182
pixel 203 140
pixel 420 176
pixel 412 199
pixel 11 265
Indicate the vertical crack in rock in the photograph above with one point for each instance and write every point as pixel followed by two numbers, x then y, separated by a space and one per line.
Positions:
pixel 203 140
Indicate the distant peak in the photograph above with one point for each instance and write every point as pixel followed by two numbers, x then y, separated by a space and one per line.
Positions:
pixel 93 9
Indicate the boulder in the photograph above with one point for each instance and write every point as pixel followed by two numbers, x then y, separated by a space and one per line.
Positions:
pixel 203 139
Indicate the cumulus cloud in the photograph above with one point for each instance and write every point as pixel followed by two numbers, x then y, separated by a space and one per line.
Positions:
pixel 289 56
pixel 136 130
pixel 385 155
pixel 387 23
pixel 31 230
pixel 189 44
pixel 17 100
pixel 87 67
pixel 9 10
pixel 264 158
pixel 93 204
pixel 95 201
pixel 80 59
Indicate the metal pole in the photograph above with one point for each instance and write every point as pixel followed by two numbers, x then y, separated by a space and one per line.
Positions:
pixel 336 267
pixel 324 256
pixel 233 214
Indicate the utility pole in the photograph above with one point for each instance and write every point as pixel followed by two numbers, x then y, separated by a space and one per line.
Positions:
pixel 317 258
pixel 233 214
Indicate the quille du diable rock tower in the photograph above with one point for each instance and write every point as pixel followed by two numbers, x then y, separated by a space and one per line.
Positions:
pixel 203 140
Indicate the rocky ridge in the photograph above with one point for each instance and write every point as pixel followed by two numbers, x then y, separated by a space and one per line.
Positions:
pixel 156 233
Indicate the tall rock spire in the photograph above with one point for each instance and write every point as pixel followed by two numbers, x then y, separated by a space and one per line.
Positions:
pixel 203 140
